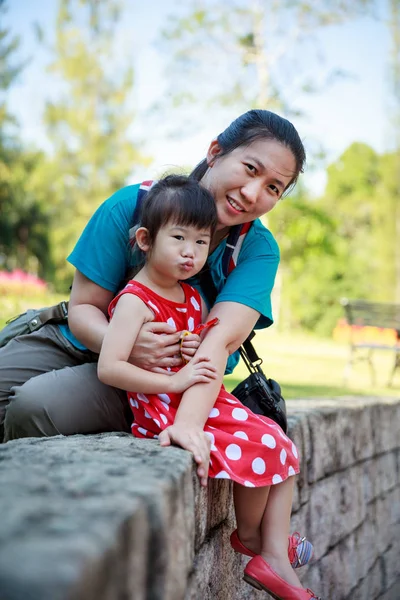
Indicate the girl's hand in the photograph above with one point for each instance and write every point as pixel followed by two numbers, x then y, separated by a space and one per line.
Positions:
pixel 198 370
pixel 156 347
pixel 189 345
pixel 192 439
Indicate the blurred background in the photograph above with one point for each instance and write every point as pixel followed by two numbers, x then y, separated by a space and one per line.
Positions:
pixel 97 94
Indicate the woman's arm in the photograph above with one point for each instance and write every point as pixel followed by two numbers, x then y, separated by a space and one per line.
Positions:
pixel 88 322
pixel 114 369
pixel 198 400
pixel 87 313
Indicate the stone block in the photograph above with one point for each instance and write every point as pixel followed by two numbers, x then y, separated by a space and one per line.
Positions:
pixel 298 431
pixel 336 508
pixel 208 581
pixel 387 515
pixel 391 558
pixel 370 587
pixel 70 504
pixel 383 414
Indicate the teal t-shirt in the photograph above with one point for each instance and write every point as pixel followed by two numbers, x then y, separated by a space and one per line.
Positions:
pixel 103 255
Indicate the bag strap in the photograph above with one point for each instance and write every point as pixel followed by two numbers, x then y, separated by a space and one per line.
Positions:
pixel 53 313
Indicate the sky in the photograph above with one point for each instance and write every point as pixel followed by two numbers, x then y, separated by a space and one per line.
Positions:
pixel 354 108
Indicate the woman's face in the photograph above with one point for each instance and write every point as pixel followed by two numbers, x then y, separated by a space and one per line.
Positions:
pixel 248 182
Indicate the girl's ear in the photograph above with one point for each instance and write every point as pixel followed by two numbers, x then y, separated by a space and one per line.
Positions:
pixel 143 239
pixel 213 151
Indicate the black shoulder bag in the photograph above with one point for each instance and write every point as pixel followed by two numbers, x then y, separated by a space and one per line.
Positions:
pixel 261 395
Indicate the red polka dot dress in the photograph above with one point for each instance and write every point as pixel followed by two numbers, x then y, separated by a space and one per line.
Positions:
pixel 247 448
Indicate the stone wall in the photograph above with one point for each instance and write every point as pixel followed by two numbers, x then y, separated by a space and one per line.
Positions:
pixel 108 517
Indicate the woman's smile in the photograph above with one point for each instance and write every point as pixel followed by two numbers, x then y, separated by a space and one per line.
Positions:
pixel 248 182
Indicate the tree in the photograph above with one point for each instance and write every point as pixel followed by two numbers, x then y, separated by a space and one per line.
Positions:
pixel 247 54
pixel 24 240
pixel 395 79
pixel 92 155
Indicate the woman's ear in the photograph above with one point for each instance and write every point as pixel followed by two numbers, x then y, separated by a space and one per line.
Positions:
pixel 213 151
pixel 143 239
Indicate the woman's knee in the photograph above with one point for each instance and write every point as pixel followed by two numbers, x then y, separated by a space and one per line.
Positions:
pixel 27 414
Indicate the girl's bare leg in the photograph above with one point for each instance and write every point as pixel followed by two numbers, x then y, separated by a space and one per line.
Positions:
pixel 250 505
pixel 275 530
pixel 263 521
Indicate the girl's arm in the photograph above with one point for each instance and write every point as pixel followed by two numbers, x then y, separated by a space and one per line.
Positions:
pixel 114 369
pixel 235 323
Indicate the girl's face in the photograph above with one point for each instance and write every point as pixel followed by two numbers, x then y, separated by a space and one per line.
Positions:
pixel 178 252
pixel 248 182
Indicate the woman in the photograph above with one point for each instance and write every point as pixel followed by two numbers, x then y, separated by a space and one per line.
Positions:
pixel 48 379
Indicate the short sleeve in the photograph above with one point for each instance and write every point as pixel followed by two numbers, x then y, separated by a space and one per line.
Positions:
pixel 102 252
pixel 252 280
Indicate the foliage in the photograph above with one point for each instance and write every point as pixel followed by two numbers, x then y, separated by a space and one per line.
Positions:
pixel 87 124
pixel 24 219
pixel 249 55
pixel 341 245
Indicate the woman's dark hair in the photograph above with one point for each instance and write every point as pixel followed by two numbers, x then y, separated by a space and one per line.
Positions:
pixel 258 125
pixel 181 200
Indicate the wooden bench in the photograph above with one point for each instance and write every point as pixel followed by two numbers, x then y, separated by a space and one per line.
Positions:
pixel 361 314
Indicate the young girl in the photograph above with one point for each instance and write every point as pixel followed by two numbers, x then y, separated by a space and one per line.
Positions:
pixel 179 218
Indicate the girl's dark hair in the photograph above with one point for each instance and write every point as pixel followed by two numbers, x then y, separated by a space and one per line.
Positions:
pixel 258 125
pixel 181 200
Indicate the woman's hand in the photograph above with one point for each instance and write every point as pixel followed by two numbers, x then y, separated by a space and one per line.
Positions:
pixel 192 439
pixel 197 370
pixel 156 348
pixel 189 344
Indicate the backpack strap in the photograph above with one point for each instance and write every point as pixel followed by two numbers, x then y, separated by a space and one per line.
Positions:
pixel 233 246
pixel 142 193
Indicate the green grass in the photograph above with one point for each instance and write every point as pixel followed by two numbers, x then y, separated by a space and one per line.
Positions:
pixel 307 366
pixel 304 365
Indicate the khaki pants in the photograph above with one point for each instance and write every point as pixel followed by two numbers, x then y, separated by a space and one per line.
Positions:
pixel 48 387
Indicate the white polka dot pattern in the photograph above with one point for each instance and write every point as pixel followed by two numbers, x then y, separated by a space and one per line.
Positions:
pixel 258 466
pixel 214 413
pixel 239 414
pixel 222 475
pixel 153 306
pixel 268 440
pixel 195 303
pixel 164 398
pixel 190 324
pixel 171 322
pixel 241 434
pixel 212 438
pixel 143 398
pixel 233 452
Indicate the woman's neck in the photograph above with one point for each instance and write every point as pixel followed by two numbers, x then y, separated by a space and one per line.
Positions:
pixel 218 236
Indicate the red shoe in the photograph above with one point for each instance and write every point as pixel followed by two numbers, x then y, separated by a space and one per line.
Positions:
pixel 300 550
pixel 261 576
